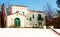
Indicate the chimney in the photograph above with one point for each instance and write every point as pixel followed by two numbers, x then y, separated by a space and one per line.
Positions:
pixel 3 16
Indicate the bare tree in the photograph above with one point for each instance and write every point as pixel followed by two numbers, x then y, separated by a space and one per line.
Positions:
pixel 49 14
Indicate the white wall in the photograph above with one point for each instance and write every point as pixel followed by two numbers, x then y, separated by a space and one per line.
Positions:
pixel 28 14
pixel 35 21
pixel 10 20
pixel 20 9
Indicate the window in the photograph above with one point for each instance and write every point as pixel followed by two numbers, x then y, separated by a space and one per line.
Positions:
pixel 17 11
pixel 23 13
pixel 33 16
pixel 16 8
pixel 30 19
pixel 39 17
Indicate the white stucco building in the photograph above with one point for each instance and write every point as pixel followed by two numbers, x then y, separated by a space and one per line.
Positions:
pixel 20 16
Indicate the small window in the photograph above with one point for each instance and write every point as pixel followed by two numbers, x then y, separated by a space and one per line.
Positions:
pixel 30 19
pixel 16 8
pixel 23 13
pixel 33 16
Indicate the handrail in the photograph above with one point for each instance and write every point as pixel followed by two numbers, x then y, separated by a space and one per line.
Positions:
pixel 54 31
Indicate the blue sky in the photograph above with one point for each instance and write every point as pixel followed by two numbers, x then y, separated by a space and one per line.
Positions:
pixel 31 4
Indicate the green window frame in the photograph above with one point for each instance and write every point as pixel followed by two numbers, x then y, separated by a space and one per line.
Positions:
pixel 30 19
pixel 39 17
pixel 33 16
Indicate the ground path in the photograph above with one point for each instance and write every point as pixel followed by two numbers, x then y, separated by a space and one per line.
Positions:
pixel 28 32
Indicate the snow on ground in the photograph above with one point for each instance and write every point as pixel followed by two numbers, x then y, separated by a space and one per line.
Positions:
pixel 58 30
pixel 27 32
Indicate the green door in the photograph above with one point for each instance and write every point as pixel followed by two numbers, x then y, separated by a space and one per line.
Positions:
pixel 40 24
pixel 17 22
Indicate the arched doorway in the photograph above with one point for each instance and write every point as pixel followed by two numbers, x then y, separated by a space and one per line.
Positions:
pixel 17 22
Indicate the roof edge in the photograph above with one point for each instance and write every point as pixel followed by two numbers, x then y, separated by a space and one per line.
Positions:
pixel 19 5
pixel 36 11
